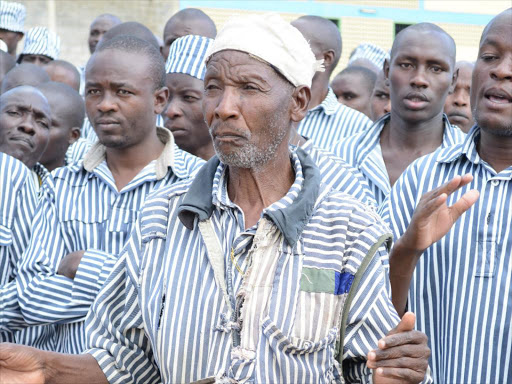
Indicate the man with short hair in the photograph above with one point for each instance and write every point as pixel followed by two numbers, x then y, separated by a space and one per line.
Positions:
pixel 457 106
pixel 24 74
pixel 41 47
pixel 64 72
pixel 353 87
pixel 380 102
pixel 243 273
pixel 99 26
pixel 67 114
pixel 456 271
pixel 327 121
pixel 188 21
pixel 12 21
pixel 183 115
pixel 7 62
pixel 421 71
pixel 88 208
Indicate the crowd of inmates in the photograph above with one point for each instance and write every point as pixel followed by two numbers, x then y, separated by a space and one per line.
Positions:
pixel 221 207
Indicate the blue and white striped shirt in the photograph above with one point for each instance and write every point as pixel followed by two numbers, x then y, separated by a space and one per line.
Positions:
pixel 176 308
pixel 338 175
pixel 81 209
pixel 17 207
pixel 331 121
pixel 76 151
pixel 461 288
pixel 363 152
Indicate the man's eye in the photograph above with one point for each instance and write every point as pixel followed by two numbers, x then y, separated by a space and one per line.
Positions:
pixel 44 124
pixel 437 69
pixel 13 113
pixel 93 91
pixel 383 96
pixel 250 87
pixel 190 98
pixel 211 87
pixel 124 92
pixel 405 65
pixel 489 57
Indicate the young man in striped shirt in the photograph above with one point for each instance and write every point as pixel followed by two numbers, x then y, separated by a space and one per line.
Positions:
pixel 327 120
pixel 244 273
pixel 421 71
pixel 459 284
pixel 87 209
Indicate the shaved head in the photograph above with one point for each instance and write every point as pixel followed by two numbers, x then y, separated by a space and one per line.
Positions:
pixel 429 30
pixel 189 21
pixel 112 19
pixel 323 36
pixel 24 74
pixel 131 28
pixel 505 16
pixel 64 72
pixel 7 62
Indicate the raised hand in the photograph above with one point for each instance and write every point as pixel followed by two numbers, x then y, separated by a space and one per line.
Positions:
pixel 20 365
pixel 402 356
pixel 432 218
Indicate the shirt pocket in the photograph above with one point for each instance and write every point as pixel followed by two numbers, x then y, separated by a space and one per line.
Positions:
pixel 486 258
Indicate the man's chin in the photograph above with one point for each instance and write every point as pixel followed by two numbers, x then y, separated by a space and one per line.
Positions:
pixel 495 125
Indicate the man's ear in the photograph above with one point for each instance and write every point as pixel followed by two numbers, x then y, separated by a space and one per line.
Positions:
pixel 454 81
pixel 385 68
pixel 329 58
pixel 161 96
pixel 74 135
pixel 300 102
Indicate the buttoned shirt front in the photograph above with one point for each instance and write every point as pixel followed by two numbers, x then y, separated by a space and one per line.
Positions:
pixel 17 207
pixel 195 294
pixel 82 209
pixel 460 290
pixel 330 121
pixel 363 152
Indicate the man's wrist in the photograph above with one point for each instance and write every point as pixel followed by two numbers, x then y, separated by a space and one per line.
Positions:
pixel 403 257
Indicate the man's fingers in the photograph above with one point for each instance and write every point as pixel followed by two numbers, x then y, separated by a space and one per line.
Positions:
pixel 408 375
pixel 390 353
pixel 406 324
pixel 417 364
pixel 464 203
pixel 452 185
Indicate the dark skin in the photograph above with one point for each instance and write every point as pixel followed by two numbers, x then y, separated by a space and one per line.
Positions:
pixel 457 106
pixel 39 60
pixel 25 120
pixel 421 73
pixel 432 218
pixel 352 90
pixel 186 23
pixel 380 102
pixel 98 27
pixel 122 103
pixel 11 39
pixel 183 115
pixel 63 74
pixel 62 132
pixel 238 89
pixel 316 34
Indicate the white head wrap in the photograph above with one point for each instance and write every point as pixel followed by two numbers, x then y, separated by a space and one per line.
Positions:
pixel 273 40
pixel 3 46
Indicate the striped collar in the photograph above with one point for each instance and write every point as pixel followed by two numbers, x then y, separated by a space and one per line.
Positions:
pixel 290 217
pixel 329 105
pixel 96 155
pixel 469 149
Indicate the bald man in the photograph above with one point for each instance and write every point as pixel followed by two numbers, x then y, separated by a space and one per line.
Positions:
pixel 189 21
pixel 421 71
pixel 327 121
pixel 7 62
pixel 457 106
pixel 24 74
pixel 64 72
pixel 353 87
pixel 380 103
pixel 99 27
pixel 67 114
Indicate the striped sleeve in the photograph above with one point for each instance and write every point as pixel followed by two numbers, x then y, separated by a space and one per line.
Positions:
pixel 14 238
pixel 114 326
pixel 371 315
pixel 44 296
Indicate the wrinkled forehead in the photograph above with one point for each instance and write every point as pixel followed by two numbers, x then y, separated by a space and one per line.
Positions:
pixel 243 64
pixel 26 99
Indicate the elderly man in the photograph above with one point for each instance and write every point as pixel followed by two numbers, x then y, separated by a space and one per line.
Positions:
pixel 183 115
pixel 41 47
pixel 189 21
pixel 457 106
pixel 327 121
pixel 421 71
pixel 12 21
pixel 460 283
pixel 354 86
pixel 253 270
pixel 87 209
